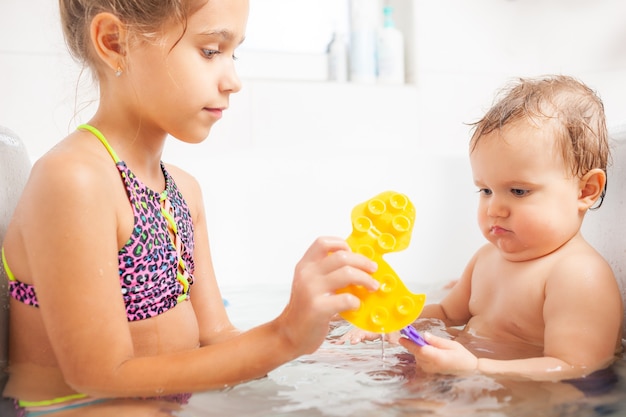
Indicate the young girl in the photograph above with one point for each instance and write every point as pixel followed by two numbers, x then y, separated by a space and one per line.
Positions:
pixel 113 290
pixel 537 288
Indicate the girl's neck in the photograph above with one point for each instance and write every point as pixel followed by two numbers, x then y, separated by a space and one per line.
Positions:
pixel 138 146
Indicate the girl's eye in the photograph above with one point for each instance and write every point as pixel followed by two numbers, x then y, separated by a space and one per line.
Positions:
pixel 484 191
pixel 209 53
pixel 517 192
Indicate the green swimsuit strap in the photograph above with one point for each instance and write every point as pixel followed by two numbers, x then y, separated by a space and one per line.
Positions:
pixel 102 139
pixel 54 401
pixel 10 275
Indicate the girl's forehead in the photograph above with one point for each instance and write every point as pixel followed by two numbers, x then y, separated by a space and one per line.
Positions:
pixel 210 21
pixel 231 14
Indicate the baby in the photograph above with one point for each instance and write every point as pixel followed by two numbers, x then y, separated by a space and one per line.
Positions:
pixel 538 159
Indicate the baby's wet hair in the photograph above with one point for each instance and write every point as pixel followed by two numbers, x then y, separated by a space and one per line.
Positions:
pixel 571 108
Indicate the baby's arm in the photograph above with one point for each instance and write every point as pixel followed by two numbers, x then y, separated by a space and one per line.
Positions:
pixel 451 311
pixel 583 312
pixel 450 357
pixel 582 315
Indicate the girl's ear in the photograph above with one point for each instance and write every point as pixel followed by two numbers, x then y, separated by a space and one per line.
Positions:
pixel 108 36
pixel 591 188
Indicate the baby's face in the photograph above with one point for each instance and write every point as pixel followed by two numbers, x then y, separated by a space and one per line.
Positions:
pixel 528 199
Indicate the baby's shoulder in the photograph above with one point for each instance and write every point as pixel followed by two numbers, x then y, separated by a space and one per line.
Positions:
pixel 580 265
pixel 487 252
pixel 580 256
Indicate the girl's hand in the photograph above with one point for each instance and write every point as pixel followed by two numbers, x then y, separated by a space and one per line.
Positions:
pixel 441 355
pixel 327 266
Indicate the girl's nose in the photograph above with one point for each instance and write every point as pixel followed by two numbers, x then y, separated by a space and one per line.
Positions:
pixel 230 82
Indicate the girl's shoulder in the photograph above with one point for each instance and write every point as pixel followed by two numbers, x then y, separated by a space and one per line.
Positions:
pixel 181 176
pixel 72 164
pixel 188 185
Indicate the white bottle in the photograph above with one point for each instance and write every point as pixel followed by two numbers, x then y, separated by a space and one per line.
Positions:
pixel 337 54
pixel 363 26
pixel 390 51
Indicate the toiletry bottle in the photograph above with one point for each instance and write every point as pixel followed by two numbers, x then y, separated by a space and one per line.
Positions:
pixel 337 54
pixel 363 26
pixel 390 51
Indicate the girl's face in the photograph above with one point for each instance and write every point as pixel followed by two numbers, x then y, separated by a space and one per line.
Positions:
pixel 528 199
pixel 181 85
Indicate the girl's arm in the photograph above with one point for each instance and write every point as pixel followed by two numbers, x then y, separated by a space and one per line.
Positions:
pixel 72 237
pixel 213 321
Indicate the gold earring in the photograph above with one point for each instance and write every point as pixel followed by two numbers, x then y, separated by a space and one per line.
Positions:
pixel 118 72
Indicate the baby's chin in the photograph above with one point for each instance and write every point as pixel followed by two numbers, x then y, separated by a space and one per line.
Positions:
pixel 515 252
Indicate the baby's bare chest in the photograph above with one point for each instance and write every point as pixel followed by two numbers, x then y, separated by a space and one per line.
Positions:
pixel 508 299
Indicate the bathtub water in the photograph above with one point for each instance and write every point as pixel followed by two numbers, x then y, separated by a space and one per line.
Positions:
pixel 356 380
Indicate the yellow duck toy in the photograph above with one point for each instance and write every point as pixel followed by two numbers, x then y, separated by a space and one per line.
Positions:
pixel 381 225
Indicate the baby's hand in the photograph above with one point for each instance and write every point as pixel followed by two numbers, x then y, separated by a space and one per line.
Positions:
pixel 327 266
pixel 441 355
pixel 356 335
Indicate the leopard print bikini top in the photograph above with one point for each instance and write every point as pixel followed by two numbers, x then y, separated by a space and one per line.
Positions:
pixel 156 264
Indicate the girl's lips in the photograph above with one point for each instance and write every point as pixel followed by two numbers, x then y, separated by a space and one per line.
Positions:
pixel 217 113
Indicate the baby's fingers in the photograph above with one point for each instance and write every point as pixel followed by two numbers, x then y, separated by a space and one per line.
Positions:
pixel 440 342
pixel 355 335
pixel 435 347
pixel 441 355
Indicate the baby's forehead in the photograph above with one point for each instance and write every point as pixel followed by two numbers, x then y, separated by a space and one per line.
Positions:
pixel 529 131
pixel 533 139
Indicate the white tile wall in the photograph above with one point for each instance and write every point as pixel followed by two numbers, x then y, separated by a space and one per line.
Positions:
pixel 291 159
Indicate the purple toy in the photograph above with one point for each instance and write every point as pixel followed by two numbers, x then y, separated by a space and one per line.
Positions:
pixel 410 332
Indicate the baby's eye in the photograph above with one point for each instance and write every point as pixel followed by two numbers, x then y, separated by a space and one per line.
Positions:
pixel 518 192
pixel 209 53
pixel 484 191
